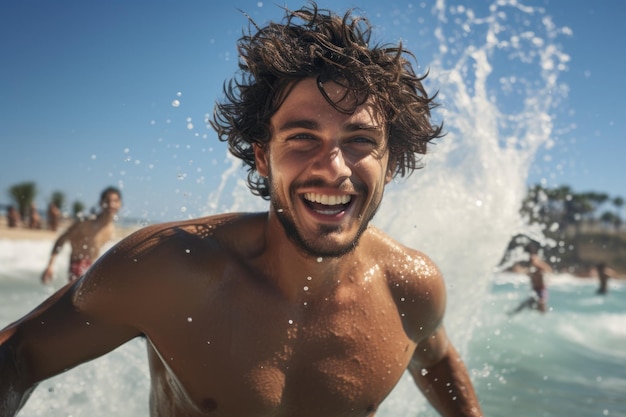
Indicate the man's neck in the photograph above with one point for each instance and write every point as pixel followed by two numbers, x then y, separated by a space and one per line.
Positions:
pixel 295 272
pixel 104 218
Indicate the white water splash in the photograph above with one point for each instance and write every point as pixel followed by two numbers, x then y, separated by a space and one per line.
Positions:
pixel 498 99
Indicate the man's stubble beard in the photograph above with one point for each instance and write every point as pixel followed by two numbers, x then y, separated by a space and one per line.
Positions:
pixel 311 248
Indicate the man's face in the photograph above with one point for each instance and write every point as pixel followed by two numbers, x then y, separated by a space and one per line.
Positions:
pixel 327 170
pixel 111 203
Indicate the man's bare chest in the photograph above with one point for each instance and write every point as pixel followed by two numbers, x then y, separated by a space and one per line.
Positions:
pixel 328 355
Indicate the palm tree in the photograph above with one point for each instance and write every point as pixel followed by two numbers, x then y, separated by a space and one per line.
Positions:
pixel 78 208
pixel 23 195
pixel 618 202
pixel 58 198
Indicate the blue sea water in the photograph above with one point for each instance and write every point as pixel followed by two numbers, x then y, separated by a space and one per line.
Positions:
pixel 567 362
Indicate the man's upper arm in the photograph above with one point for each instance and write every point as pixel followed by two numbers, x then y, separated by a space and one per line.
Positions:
pixel 58 335
pixel 422 302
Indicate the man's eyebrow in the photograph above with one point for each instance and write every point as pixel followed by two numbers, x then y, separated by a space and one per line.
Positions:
pixel 353 127
pixel 299 124
pixel 313 125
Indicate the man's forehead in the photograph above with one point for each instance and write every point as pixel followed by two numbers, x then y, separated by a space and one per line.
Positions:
pixel 111 195
pixel 304 98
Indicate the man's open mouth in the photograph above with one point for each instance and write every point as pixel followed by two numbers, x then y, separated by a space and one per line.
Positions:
pixel 328 205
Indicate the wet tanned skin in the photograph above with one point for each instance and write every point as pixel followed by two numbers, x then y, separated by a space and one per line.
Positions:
pixel 231 343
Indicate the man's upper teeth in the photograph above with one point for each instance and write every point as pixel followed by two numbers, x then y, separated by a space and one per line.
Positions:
pixel 328 200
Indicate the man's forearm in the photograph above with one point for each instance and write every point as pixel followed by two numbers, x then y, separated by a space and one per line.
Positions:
pixel 13 395
pixel 448 388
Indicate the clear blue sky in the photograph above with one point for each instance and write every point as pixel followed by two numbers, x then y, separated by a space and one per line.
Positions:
pixel 88 90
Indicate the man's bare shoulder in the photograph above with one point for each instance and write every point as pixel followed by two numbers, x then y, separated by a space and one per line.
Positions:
pixel 414 279
pixel 165 259
pixel 400 260
pixel 211 230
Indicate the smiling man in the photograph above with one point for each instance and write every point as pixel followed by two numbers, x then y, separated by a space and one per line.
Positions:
pixel 304 310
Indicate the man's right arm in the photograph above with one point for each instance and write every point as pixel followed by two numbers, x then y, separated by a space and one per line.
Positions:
pixel 58 335
pixel 13 393
pixel 47 274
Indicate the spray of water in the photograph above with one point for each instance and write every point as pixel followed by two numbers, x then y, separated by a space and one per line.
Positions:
pixel 498 97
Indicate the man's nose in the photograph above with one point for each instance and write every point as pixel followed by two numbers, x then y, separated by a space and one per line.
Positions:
pixel 332 164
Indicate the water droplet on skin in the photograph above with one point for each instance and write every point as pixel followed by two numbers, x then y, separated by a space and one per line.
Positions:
pixel 309 278
pixel 290 321
pixel 320 259
pixel 189 319
pixel 306 288
pixel 187 251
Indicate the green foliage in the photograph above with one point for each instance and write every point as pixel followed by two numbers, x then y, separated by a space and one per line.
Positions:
pixel 568 218
pixel 78 208
pixel 23 195
pixel 58 198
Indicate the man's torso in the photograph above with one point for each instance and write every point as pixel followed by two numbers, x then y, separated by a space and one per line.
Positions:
pixel 222 341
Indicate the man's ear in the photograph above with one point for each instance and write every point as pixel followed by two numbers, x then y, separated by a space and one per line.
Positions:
pixel 391 169
pixel 261 157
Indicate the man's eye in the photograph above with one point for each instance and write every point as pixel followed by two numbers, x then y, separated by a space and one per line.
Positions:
pixel 300 136
pixel 363 140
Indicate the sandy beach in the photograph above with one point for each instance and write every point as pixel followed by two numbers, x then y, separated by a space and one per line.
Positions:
pixel 21 233
pixel 24 233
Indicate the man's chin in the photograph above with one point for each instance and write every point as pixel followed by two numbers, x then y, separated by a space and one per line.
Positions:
pixel 321 241
pixel 327 247
pixel 327 253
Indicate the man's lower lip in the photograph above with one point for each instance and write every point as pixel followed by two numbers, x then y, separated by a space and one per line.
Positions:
pixel 331 216
pixel 329 212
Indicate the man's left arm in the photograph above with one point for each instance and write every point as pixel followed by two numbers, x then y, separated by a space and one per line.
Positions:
pixel 440 374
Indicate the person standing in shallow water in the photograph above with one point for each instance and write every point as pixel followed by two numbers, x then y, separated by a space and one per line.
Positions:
pixel 87 236
pixel 53 216
pixel 304 310
pixel 604 274
pixel 537 268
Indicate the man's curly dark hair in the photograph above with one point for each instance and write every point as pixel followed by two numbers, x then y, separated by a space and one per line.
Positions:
pixel 313 42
